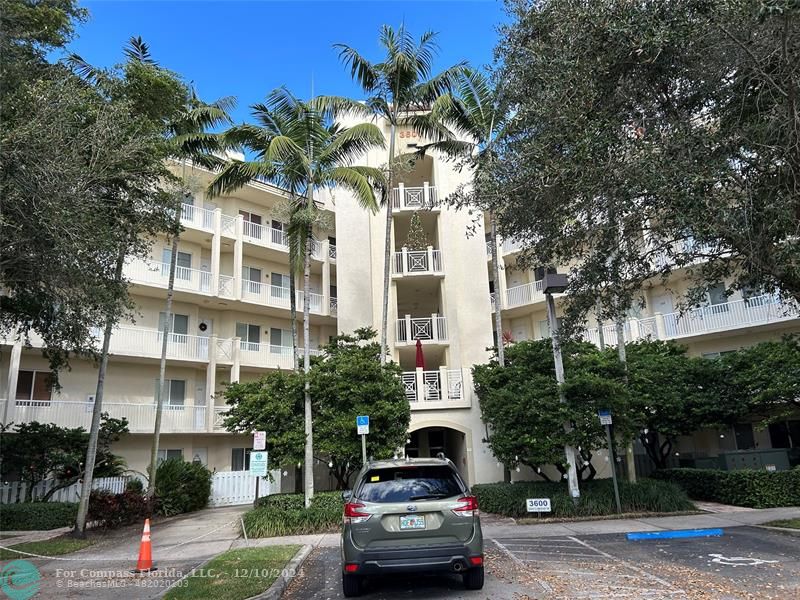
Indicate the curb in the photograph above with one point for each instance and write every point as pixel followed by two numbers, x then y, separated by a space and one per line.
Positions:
pixel 275 591
pixel 787 530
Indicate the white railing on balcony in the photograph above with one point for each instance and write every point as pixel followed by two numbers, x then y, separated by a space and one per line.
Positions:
pixel 228 226
pixel 141 341
pixel 226 286
pixel 332 251
pixel 219 418
pixel 265 355
pixel 411 262
pixel 157 274
pixel 334 305
pixel 264 235
pixel 197 217
pixel 510 245
pixel 141 417
pixel 524 294
pixel 274 295
pixel 488 250
pixel 493 301
pixel 756 310
pixel 422 386
pixel 433 329
pixel 414 198
pixel 314 301
pixel 665 258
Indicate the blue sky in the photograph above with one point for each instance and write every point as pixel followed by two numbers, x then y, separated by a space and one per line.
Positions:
pixel 247 48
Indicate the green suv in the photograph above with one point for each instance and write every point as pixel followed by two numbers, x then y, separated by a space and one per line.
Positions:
pixel 410 515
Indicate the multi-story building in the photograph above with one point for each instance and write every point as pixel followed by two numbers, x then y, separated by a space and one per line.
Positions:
pixel 231 320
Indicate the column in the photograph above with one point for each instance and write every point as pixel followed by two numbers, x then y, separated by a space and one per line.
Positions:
pixel 501 286
pixel 404 264
pixel 401 196
pixel 444 383
pixel 634 327
pixel 211 381
pixel 661 327
pixel 426 194
pixel 431 269
pixel 13 374
pixel 216 247
pixel 326 278
pixel 420 385
pixel 409 337
pixel 237 258
pixel 236 351
pixel 435 326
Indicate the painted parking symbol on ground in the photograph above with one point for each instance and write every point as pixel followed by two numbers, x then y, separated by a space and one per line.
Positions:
pixel 740 561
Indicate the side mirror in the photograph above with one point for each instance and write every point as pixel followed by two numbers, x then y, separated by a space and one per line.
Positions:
pixel 346 495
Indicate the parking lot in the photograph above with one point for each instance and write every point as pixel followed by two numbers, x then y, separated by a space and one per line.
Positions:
pixel 745 563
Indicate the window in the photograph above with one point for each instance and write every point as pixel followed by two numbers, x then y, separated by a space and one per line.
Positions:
pixel 718 298
pixel 251 279
pixel 544 328
pixel 240 459
pixel 183 268
pixel 279 233
pixel 745 440
pixel 280 286
pixel 252 224
pixel 176 393
pixel 250 335
pixel 333 291
pixel 785 434
pixel 179 324
pixel 169 453
pixel 280 341
pixel 409 483
pixel 34 388
pixel 540 272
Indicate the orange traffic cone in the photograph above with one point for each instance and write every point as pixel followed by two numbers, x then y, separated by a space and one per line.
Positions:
pixel 145 562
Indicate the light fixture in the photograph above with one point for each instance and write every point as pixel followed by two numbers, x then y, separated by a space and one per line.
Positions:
pixel 554 283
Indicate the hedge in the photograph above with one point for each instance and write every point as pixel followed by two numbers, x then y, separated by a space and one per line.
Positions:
pixel 597 498
pixel 31 516
pixel 109 510
pixel 755 489
pixel 283 514
pixel 181 487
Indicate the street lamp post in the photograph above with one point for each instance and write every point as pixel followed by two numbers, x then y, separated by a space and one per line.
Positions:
pixel 555 283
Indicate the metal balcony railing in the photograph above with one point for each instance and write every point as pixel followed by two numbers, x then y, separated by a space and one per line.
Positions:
pixel 426 329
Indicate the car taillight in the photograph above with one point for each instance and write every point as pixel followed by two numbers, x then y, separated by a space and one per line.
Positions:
pixel 352 515
pixel 467 506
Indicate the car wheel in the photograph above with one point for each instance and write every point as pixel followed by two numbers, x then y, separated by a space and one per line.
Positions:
pixel 473 579
pixel 351 585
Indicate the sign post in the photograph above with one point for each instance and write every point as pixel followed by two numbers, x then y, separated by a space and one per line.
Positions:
pixel 362 424
pixel 605 420
pixel 258 467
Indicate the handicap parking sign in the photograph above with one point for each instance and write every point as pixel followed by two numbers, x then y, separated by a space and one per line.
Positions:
pixel 362 423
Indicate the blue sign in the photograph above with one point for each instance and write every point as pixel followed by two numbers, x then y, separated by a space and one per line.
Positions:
pixel 362 423
pixel 605 416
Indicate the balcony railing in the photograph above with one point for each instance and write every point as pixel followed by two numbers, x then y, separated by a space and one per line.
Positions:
pixel 226 286
pixel 510 245
pixel 441 386
pixel 197 217
pixel 332 251
pixel 141 417
pixel 524 294
pixel 414 198
pixel 416 262
pixel 157 274
pixel 274 295
pixel 265 355
pixel 334 305
pixel 228 226
pixel 756 310
pixel 145 342
pixel 426 329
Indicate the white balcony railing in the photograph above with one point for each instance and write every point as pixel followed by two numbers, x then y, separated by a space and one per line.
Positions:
pixel 226 286
pixel 524 294
pixel 442 386
pixel 197 217
pixel 228 226
pixel 756 310
pixel 426 329
pixel 265 355
pixel 145 342
pixel 157 274
pixel 414 198
pixel 332 251
pixel 334 305
pixel 274 295
pixel 141 417
pixel 509 246
pixel 416 262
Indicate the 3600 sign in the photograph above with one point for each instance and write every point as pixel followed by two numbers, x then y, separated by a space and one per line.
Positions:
pixel 538 504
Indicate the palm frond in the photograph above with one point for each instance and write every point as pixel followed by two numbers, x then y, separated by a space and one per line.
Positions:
pixel 236 174
pixel 360 68
pixel 355 181
pixel 348 144
pixel 137 50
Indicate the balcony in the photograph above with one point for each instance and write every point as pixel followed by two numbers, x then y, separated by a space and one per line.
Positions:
pixel 526 293
pixel 332 251
pixel 196 217
pixel 264 355
pixel 415 198
pixel 510 246
pixel 141 417
pixel 443 388
pixel 334 305
pixel 157 274
pixel 429 330
pixel 417 262
pixel 269 237
pixel 146 343
pixel 728 316
pixel 277 296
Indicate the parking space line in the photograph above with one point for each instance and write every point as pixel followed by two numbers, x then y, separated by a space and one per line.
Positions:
pixel 508 552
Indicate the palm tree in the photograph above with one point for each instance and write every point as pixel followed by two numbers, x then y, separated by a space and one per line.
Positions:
pixel 397 89
pixel 469 122
pixel 299 147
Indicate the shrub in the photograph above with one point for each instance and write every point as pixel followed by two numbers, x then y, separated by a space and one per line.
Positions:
pixel 181 487
pixel 134 485
pixel 283 514
pixel 597 498
pixel 755 489
pixel 30 516
pixel 111 510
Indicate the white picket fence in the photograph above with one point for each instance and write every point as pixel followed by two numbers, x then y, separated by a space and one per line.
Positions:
pixel 14 491
pixel 239 487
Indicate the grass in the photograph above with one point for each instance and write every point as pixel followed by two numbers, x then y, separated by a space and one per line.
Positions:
pixel 787 523
pixel 235 574
pixel 52 547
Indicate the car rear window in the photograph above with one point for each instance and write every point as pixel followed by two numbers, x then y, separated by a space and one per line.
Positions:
pixel 409 483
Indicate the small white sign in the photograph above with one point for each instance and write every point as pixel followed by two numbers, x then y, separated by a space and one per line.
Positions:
pixel 538 504
pixel 362 423
pixel 258 464
pixel 605 417
pixel 771 468
pixel 259 440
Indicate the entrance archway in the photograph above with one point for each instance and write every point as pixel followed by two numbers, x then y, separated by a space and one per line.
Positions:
pixel 428 442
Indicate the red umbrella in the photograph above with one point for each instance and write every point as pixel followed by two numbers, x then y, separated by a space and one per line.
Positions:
pixel 420 355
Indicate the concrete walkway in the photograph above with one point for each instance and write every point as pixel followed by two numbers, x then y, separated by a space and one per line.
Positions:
pixel 492 531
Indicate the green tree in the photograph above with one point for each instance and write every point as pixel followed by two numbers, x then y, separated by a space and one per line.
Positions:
pixel 33 452
pixel 300 147
pixel 398 88
pixel 416 239
pixel 525 419
pixel 347 380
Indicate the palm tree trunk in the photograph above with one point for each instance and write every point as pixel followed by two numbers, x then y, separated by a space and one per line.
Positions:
pixel 601 337
pixel 308 471
pixel 94 431
pixel 293 308
pixel 162 381
pixel 387 257
pixel 498 318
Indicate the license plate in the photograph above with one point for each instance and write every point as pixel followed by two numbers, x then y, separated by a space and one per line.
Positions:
pixel 412 522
